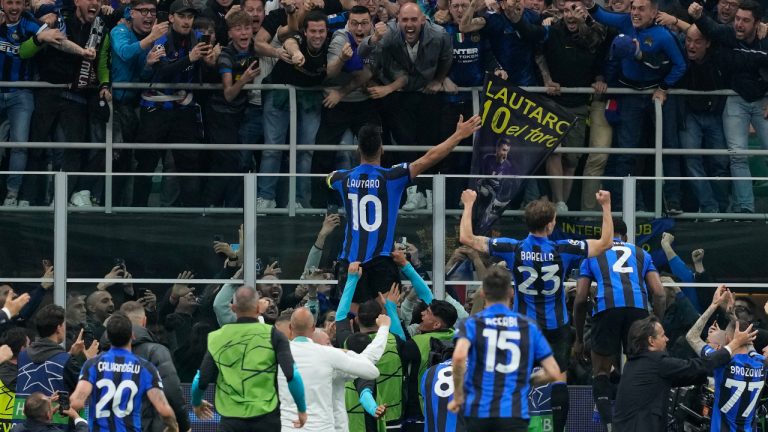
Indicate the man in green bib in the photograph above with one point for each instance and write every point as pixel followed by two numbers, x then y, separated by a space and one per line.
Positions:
pixel 242 361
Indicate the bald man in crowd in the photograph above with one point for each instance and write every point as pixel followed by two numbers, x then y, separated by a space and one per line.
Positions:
pixel 317 364
pixel 100 306
pixel 416 56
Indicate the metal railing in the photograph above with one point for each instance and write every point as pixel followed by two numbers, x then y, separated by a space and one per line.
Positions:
pixel 61 199
pixel 251 224
pixel 293 146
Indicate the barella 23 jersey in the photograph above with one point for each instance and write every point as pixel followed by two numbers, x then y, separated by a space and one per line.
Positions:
pixel 120 381
pixel 737 390
pixel 371 196
pixel 539 267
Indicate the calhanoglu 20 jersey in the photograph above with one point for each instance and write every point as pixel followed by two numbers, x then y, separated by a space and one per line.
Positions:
pixel 120 380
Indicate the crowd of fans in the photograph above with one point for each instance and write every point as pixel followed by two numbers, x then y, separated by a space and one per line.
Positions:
pixel 394 64
pixel 171 326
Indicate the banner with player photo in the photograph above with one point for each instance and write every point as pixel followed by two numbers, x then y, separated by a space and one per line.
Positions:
pixel 519 132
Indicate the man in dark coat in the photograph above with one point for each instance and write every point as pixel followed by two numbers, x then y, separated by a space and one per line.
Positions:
pixel 641 402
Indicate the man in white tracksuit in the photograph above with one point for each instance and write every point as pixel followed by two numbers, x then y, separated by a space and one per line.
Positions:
pixel 320 364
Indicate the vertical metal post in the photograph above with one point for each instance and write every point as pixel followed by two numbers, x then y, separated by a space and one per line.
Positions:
pixel 438 236
pixel 249 230
pixel 293 106
pixel 658 159
pixel 60 238
pixel 108 162
pixel 629 185
pixel 475 102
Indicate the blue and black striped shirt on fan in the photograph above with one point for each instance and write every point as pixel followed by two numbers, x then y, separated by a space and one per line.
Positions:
pixel 13 67
pixel 504 347
pixel 539 267
pixel 437 388
pixel 371 196
pixel 620 276
pixel 120 380
pixel 737 390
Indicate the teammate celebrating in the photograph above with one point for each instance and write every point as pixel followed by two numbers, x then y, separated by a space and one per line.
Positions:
pixel 622 274
pixel 539 266
pixel 496 350
pixel 371 196
pixel 122 380
pixel 437 388
pixel 737 384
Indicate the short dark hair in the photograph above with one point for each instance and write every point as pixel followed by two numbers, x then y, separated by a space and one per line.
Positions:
pixel 119 329
pixel 638 335
pixel 359 10
pixel 358 342
pixel 369 140
pixel 496 284
pixel 368 312
pixel 538 214
pixel 37 406
pixel 48 319
pixel 314 16
pixel 16 339
pixel 445 311
pixel 203 23
pixel 754 7
pixel 619 227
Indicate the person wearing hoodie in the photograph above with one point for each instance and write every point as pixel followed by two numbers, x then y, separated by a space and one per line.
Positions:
pixel 145 345
pixel 45 367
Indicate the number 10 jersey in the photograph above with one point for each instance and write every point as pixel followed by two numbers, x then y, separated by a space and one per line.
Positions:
pixel 371 196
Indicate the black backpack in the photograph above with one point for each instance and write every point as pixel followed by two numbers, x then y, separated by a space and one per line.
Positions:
pixel 439 351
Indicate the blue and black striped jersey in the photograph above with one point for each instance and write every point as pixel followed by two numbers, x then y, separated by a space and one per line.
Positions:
pixel 437 388
pixel 504 348
pixel 539 267
pixel 737 389
pixel 13 67
pixel 371 196
pixel 120 381
pixel 620 276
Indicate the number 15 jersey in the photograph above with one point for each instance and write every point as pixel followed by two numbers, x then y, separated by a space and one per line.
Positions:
pixel 120 379
pixel 371 196
pixel 539 267
pixel 504 348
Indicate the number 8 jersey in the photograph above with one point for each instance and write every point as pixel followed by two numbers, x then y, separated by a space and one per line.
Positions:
pixel 371 196
pixel 120 380
pixel 737 391
pixel 539 267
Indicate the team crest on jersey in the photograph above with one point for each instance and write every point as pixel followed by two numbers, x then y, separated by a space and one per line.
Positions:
pixel 15 36
pixel 648 41
pixel 475 37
